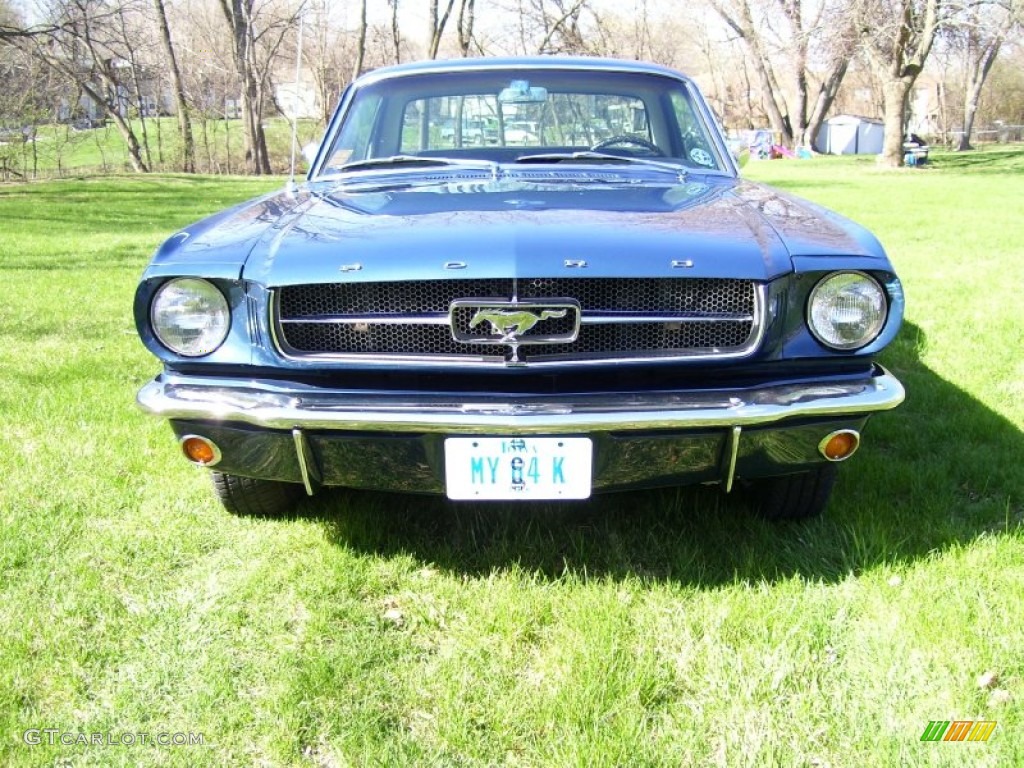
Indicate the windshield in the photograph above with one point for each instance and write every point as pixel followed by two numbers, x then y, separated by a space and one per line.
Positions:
pixel 560 116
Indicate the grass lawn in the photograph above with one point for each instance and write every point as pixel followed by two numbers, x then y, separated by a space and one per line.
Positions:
pixel 62 151
pixel 665 628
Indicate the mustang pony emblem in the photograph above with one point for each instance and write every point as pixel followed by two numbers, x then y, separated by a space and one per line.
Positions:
pixel 511 323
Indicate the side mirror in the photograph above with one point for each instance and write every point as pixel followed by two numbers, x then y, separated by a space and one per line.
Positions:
pixel 309 152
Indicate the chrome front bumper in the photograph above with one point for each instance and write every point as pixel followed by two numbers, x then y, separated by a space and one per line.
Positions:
pixel 383 441
pixel 271 405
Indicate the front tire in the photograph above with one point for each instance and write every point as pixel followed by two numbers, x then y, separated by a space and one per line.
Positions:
pixel 794 497
pixel 250 497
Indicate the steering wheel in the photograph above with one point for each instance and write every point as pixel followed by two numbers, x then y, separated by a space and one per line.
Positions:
pixel 626 138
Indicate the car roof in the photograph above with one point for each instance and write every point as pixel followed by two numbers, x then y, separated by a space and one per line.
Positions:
pixel 591 63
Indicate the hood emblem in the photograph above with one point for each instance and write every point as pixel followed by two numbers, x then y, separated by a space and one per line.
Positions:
pixel 489 321
pixel 511 323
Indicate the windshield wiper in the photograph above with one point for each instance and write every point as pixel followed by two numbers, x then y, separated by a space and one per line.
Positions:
pixel 598 158
pixel 415 161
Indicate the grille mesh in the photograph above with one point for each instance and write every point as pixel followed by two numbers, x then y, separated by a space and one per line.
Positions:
pixel 400 298
pixel 695 301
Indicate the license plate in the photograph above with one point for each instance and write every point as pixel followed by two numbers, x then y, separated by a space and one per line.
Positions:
pixel 530 468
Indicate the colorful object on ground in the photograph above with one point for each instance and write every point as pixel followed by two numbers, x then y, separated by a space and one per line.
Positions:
pixel 958 730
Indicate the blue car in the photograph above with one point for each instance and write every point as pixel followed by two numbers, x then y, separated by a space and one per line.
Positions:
pixel 453 304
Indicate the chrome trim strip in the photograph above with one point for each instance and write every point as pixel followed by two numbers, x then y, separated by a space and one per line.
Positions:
pixel 252 318
pixel 732 451
pixel 431 319
pixel 307 462
pixel 604 318
pixel 593 318
pixel 272 406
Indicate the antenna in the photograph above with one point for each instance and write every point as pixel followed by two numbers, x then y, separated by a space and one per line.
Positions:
pixel 290 187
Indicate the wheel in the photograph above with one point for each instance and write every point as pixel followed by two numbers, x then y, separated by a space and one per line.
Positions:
pixel 794 497
pixel 251 497
pixel 627 139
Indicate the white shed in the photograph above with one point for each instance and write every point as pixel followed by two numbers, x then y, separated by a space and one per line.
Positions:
pixel 850 135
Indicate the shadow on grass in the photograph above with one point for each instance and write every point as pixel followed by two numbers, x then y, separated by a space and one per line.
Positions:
pixel 1000 159
pixel 931 474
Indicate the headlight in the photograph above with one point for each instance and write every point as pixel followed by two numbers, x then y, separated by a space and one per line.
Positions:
pixel 190 316
pixel 847 310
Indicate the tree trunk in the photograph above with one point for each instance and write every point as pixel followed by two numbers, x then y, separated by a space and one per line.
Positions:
pixel 972 96
pixel 437 25
pixel 467 16
pixel 895 92
pixel 741 22
pixel 898 60
pixel 396 37
pixel 188 157
pixel 238 15
pixel 357 68
pixel 827 92
pixel 769 88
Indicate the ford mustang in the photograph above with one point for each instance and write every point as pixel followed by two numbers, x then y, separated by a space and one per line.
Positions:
pixel 450 303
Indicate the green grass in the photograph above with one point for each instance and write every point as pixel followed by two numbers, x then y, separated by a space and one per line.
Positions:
pixel 62 151
pixel 664 628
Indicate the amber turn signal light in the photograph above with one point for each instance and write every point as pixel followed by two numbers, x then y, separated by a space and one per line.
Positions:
pixel 199 450
pixel 839 445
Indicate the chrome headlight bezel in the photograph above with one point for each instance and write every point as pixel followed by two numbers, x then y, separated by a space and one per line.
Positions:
pixel 857 295
pixel 190 316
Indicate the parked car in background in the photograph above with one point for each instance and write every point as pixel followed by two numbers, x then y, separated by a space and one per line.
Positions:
pixel 492 322
pixel 521 132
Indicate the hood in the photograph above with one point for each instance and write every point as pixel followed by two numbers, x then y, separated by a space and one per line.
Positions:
pixel 218 245
pixel 807 229
pixel 505 228
pixel 512 228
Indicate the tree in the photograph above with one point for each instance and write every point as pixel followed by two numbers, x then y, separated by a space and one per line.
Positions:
pixel 131 39
pixel 257 32
pixel 328 55
pixel 979 35
pixel 1004 92
pixel 80 41
pixel 561 21
pixel 357 68
pixel 898 36
pixel 396 36
pixel 239 16
pixel 437 24
pixel 188 158
pixel 811 42
pixel 464 24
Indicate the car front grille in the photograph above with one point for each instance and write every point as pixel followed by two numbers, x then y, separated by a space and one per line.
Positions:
pixel 624 318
